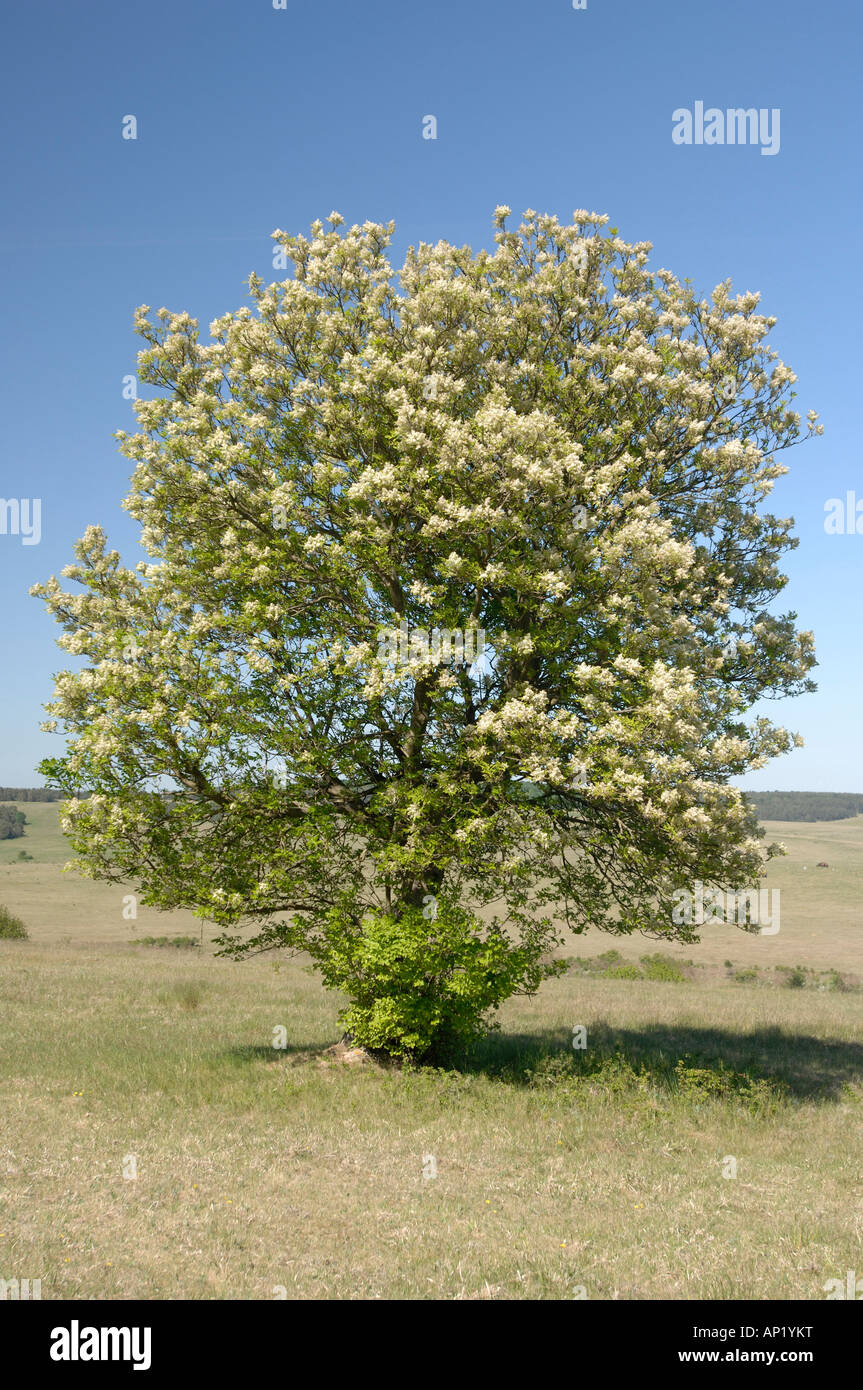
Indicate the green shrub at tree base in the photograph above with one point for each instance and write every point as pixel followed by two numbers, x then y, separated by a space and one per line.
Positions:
pixel 426 989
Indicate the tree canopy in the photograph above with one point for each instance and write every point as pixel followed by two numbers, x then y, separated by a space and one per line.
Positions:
pixel 458 597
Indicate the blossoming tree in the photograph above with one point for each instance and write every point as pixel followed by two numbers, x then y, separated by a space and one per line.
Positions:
pixel 550 446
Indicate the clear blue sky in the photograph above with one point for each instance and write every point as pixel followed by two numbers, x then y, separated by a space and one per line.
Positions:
pixel 251 118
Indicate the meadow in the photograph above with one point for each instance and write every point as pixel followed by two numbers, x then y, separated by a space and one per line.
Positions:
pixel 154 1143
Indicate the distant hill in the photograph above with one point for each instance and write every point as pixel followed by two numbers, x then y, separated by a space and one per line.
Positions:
pixel 30 794
pixel 808 806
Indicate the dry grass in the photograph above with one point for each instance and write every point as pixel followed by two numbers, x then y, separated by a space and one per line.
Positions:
pixel 260 1169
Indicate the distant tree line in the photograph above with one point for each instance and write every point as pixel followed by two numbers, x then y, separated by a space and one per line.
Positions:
pixel 808 806
pixel 30 794
pixel 12 823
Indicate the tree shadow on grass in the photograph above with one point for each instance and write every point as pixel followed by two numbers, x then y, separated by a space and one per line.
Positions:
pixel 808 1068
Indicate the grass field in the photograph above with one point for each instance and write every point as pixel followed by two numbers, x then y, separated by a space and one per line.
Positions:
pixel 538 1171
